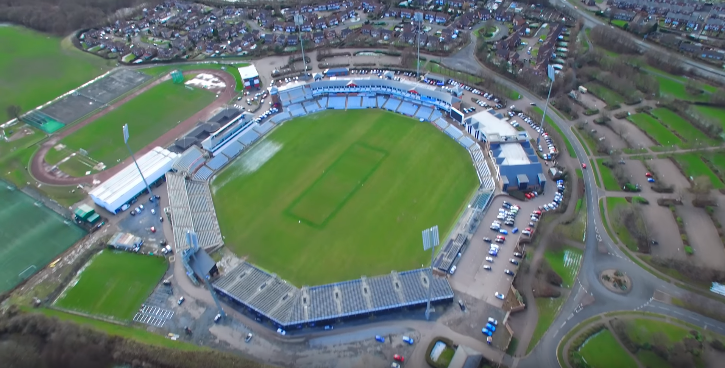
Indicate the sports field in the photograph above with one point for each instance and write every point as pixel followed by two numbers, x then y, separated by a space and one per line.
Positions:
pixel 149 115
pixel 338 195
pixel 30 236
pixel 36 68
pixel 114 284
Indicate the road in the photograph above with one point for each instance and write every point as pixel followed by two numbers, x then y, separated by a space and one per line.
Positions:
pixel 704 70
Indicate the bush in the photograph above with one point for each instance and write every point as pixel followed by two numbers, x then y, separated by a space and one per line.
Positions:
pixel 621 114
pixel 688 249
pixel 590 112
pixel 717 345
pixel 553 278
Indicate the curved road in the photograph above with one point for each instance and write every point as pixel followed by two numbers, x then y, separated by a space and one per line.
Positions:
pixel 38 167
pixel 594 261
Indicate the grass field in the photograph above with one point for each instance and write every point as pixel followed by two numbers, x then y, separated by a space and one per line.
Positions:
pixel 605 94
pixel 148 116
pixel 575 230
pixel 610 182
pixel 617 226
pixel 565 262
pixel 338 195
pixel 655 129
pixel 683 127
pixel 693 166
pixel 114 284
pixel 128 332
pixel 230 68
pixel 31 236
pixel 644 329
pixel 676 88
pixel 36 68
pixel 603 351
pixel 651 360
pixel 548 308
pixel 716 113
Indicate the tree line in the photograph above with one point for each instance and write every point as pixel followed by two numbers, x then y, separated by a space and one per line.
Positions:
pixel 31 340
pixel 63 17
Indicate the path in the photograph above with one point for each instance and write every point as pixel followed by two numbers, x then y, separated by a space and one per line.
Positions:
pixel 38 166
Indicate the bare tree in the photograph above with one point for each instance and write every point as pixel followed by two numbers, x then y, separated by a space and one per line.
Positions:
pixel 13 111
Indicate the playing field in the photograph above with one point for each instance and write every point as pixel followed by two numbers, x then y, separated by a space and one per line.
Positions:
pixel 337 195
pixel 30 236
pixel 114 284
pixel 149 115
pixel 36 68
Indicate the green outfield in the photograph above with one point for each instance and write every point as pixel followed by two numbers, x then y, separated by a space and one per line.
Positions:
pixel 114 284
pixel 31 236
pixel 36 68
pixel 149 115
pixel 338 195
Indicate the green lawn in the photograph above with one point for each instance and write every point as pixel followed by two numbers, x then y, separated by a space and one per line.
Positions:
pixel 548 309
pixel 683 127
pixel 605 94
pixel 602 205
pixel 128 332
pixel 718 160
pixel 619 229
pixel 114 284
pixel 655 129
pixel 644 329
pixel 148 116
pixel 593 166
pixel 230 67
pixel 581 141
pixel 693 166
pixel 676 89
pixel 717 113
pixel 551 123
pixel 619 23
pixel 603 351
pixel 651 360
pixel 36 68
pixel 575 230
pixel 337 195
pixel 565 262
pixel 610 182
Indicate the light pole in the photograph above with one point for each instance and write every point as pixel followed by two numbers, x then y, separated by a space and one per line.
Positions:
pixel 551 73
pixel 299 21
pixel 125 140
pixel 418 18
pixel 430 240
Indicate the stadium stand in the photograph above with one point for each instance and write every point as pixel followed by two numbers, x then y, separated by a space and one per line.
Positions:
pixel 408 109
pixel 354 102
pixel 296 110
pixel 248 137
pixel 264 128
pixel 436 115
pixel 424 113
pixel 369 102
pixel 489 183
pixel 337 103
pixel 287 306
pixel 203 173
pixel 441 124
pixel 323 102
pixel 190 160
pixel 217 162
pixel 233 149
pixel 453 132
pixel 392 104
pixel 466 141
pixel 482 200
pixel 381 101
pixel 311 106
pixel 192 209
pixel 280 117
pixel 448 254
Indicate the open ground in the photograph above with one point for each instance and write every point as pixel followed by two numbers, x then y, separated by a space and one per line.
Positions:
pixel 339 195
pixel 114 284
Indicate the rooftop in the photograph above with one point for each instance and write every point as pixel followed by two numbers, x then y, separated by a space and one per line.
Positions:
pixel 248 72
pixel 514 154
pixel 489 124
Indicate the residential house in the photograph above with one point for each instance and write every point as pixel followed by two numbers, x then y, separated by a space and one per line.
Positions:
pixel 408 37
pixel 345 32
pixel 392 13
pixel 366 29
pixel 292 41
pixel 690 48
pixel 589 2
pixel 482 14
pixel 318 36
pixel 375 32
pixel 235 46
pixel 267 38
pixel 711 54
pixel 441 18
pixel 330 34
pixel 387 34
pixel 406 13
pixel 281 40
pixel 714 25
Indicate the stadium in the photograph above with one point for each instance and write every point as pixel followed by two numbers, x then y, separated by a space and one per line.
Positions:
pixel 325 198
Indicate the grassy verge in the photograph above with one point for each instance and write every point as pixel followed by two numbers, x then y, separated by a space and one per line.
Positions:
pixel 230 68
pixel 603 350
pixel 602 209
pixel 548 309
pixel 565 262
pixel 612 204
pixel 693 166
pixel 581 141
pixel 610 182
pixel 605 94
pixel 593 165
pixel 717 113
pixel 137 334
pixel 688 132
pixel 655 129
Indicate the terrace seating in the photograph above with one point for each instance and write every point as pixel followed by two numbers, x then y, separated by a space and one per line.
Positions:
pixel 424 113
pixel 354 102
pixel 369 102
pixel 203 173
pixel 337 103
pixel 192 209
pixel 323 102
pixel 264 128
pixel 311 106
pixel 445 257
pixel 381 101
pixel 233 150
pixel 436 115
pixel 248 138
pixel 296 110
pixel 280 117
pixel 489 183
pixel 441 124
pixel 408 109
pixel 217 162
pixel 392 104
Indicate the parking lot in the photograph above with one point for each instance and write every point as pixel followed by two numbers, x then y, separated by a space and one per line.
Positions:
pixel 470 276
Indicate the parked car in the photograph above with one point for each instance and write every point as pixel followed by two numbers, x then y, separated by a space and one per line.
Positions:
pixel 180 301
pixel 492 321
pixel 398 358
pixel 460 304
pixel 453 270
pixel 281 331
pixel 249 337
pixel 513 261
pixel 489 259
pixel 498 296
pixel 379 338
pixel 408 340
pixel 487 267
pixel 491 327
pixel 329 327
pixel 508 272
pixel 487 240
pixel 486 332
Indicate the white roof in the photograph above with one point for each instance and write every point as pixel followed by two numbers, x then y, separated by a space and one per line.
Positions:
pixel 248 72
pixel 128 178
pixel 489 125
pixel 514 154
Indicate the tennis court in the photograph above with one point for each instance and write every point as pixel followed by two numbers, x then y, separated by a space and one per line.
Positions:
pixel 31 236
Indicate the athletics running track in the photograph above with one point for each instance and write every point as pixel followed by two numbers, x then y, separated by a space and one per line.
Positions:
pixel 39 169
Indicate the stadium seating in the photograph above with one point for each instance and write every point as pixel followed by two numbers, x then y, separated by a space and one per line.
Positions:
pixel 337 103
pixel 233 149
pixel 408 109
pixel 354 102
pixel 453 132
pixel 217 162
pixel 323 102
pixel 381 101
pixel 441 124
pixel 192 209
pixel 264 128
pixel 280 117
pixel 369 102
pixel 296 110
pixel 424 113
pixel 392 104
pixel 435 115
pixel 248 137
pixel 311 107
pixel 448 254
pixel 203 173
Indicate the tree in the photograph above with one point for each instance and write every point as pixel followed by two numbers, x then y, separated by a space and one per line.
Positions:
pixel 701 187
pixel 13 111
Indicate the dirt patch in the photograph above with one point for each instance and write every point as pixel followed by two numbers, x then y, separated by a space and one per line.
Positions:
pixel 663 228
pixel 23 132
pixel 703 237
pixel 669 173
pixel 635 137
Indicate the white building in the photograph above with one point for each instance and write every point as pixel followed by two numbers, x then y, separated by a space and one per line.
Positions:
pixel 128 184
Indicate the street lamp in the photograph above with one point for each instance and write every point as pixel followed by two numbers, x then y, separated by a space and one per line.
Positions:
pixel 125 140
pixel 299 21
pixel 552 75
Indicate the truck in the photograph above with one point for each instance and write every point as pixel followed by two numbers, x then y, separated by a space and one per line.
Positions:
pixel 582 89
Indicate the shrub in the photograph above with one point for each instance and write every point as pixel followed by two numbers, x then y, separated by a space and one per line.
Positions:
pixel 688 249
pixel 590 112
pixel 717 345
pixel 553 278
